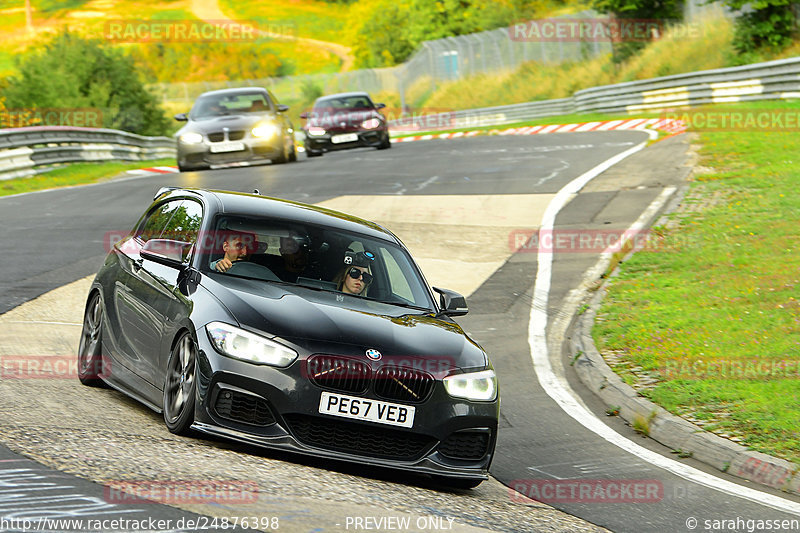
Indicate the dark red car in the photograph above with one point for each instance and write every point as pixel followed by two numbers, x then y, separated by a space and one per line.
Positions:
pixel 342 121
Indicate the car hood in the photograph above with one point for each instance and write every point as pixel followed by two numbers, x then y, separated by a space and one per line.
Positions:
pixel 327 322
pixel 330 120
pixel 232 122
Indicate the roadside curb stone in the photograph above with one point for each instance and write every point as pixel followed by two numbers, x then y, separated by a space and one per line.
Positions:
pixel 678 434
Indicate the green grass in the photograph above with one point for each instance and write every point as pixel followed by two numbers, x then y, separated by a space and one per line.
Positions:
pixel 324 21
pixel 716 316
pixel 75 174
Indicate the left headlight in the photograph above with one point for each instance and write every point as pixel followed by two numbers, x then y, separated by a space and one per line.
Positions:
pixel 478 386
pixel 371 124
pixel 240 344
pixel 265 131
pixel 191 138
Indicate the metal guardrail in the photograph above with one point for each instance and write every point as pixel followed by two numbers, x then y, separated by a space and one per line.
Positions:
pixel 772 80
pixel 28 151
pixel 24 151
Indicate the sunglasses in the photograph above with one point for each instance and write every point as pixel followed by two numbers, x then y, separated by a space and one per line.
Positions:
pixel 356 273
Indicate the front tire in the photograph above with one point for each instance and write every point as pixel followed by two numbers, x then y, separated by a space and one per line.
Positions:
pixel 386 143
pixel 90 358
pixel 180 386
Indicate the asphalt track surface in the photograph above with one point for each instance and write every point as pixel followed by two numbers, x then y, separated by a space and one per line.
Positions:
pixel 56 237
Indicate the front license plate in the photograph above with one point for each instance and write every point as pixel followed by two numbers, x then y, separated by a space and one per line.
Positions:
pixel 226 147
pixel 364 409
pixel 344 138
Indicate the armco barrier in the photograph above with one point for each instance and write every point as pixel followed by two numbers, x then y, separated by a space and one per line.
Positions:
pixel 773 80
pixel 27 151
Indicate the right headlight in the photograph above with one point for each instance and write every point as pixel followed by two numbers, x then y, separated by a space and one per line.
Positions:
pixel 315 130
pixel 191 138
pixel 478 386
pixel 240 344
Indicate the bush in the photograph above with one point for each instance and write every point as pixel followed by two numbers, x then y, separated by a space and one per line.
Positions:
pixel 71 72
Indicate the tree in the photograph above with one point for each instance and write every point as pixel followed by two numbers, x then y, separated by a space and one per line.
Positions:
pixel 662 12
pixel 764 23
pixel 75 73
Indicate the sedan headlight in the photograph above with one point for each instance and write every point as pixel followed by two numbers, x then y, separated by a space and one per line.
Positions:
pixel 478 386
pixel 240 344
pixel 191 138
pixel 314 130
pixel 371 124
pixel 265 131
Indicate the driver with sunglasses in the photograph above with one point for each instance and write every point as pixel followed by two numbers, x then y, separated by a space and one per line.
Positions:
pixel 355 277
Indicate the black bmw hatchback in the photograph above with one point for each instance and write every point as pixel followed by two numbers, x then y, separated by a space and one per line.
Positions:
pixel 290 326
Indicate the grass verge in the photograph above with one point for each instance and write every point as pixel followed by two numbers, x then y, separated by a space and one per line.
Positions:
pixel 715 318
pixel 74 174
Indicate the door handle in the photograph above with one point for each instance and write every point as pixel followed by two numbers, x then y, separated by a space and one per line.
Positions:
pixel 137 264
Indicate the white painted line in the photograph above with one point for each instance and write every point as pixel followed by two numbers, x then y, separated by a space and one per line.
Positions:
pixel 558 389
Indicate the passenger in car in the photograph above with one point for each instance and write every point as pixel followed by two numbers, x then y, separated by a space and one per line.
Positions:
pixel 355 277
pixel 236 245
pixel 293 261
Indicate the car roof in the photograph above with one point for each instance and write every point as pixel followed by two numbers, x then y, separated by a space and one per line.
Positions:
pixel 235 90
pixel 343 95
pixel 255 205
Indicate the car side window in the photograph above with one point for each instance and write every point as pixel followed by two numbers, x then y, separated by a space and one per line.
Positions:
pixel 184 224
pixel 177 219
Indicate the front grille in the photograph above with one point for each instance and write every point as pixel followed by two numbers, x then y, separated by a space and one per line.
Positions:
pixel 236 135
pixel 245 408
pixel 216 137
pixel 403 384
pixel 338 373
pixel 466 445
pixel 358 439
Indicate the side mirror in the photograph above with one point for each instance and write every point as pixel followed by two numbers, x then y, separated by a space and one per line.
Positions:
pixel 166 251
pixel 181 117
pixel 380 106
pixel 304 114
pixel 282 108
pixel 452 303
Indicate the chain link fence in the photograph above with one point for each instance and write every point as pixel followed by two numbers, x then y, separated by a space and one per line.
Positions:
pixel 437 61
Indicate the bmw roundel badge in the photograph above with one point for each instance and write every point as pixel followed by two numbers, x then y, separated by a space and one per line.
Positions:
pixel 375 355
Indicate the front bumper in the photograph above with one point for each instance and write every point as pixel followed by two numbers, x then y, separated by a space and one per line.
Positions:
pixel 255 150
pixel 366 139
pixel 279 408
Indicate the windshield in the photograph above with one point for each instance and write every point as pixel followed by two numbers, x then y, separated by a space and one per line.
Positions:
pixel 344 103
pixel 216 105
pixel 351 264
